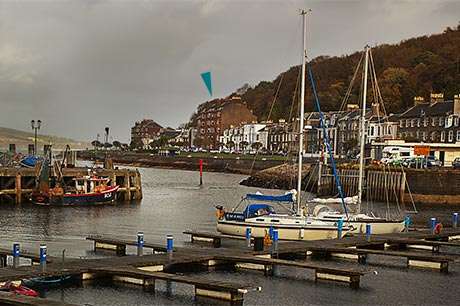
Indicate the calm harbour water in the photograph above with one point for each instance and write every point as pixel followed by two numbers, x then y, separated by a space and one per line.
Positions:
pixel 172 203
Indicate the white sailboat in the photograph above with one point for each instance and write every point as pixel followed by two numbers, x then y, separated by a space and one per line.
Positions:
pixel 358 220
pixel 292 224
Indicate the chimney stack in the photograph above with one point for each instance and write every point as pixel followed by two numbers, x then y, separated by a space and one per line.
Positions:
pixel 419 100
pixel 352 107
pixel 457 104
pixel 436 98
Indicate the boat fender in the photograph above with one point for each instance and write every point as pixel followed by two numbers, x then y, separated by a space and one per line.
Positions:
pixel 267 239
pixel 438 228
pixel 220 212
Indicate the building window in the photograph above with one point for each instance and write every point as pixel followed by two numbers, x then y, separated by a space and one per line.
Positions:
pixel 407 122
pixel 433 121
pixel 418 122
pixel 443 136
pixel 425 121
pixel 441 121
pixel 451 136
pixel 456 119
pixel 424 136
pixel 458 135
pixel 412 123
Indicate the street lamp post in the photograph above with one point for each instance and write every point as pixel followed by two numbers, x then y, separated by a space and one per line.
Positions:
pixel 35 127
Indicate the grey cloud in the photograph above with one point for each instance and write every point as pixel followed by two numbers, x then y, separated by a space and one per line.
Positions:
pixel 82 65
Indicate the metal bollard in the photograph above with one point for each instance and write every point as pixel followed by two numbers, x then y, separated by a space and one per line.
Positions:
pixel 275 241
pixel 455 220
pixel 140 243
pixel 339 228
pixel 432 224
pixel 368 231
pixel 43 257
pixel 169 245
pixel 16 253
pixel 248 236
pixel 407 222
pixel 275 268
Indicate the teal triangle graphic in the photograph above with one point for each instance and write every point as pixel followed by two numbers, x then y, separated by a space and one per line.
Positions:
pixel 206 76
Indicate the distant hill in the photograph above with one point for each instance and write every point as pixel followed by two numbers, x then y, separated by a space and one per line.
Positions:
pixel 413 67
pixel 22 139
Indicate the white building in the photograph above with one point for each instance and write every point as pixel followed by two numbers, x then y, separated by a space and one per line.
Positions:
pixel 243 137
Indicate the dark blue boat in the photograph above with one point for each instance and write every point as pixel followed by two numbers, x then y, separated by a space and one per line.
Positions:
pixel 48 282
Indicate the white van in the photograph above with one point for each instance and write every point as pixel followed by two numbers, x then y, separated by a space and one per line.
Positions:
pixel 393 154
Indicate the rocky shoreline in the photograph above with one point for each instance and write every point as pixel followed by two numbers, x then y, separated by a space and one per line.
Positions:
pixel 211 164
pixel 280 177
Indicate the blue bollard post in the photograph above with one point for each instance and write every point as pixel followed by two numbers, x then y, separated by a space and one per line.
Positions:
pixel 275 240
pixel 270 232
pixel 140 243
pixel 43 257
pixel 16 253
pixel 368 232
pixel 407 222
pixel 432 224
pixel 248 236
pixel 339 228
pixel 275 268
pixel 169 245
pixel 455 220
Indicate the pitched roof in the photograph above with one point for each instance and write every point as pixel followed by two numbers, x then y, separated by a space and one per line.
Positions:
pixel 435 109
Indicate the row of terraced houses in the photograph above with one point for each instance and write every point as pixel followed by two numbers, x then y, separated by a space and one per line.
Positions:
pixel 228 124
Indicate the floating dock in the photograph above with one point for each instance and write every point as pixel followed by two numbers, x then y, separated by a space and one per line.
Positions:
pixel 156 262
pixel 16 184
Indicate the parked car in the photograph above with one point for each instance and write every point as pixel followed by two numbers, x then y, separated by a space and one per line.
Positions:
pixel 456 163
pixel 433 162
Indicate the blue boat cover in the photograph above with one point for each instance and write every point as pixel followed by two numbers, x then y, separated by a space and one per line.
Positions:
pixel 288 197
pixel 254 210
pixel 30 161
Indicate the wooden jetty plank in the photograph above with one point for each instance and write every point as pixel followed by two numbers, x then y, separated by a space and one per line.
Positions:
pixel 186 279
pixel 15 299
pixel 119 245
pixel 322 272
pixel 414 259
pixel 420 243
pixel 214 238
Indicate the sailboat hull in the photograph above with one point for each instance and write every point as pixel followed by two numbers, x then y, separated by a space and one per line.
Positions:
pixel 290 232
pixel 377 227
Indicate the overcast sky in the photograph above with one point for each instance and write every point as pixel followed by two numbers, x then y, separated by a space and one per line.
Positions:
pixel 82 65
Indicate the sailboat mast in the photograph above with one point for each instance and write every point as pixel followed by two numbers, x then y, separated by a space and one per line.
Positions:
pixel 302 106
pixel 363 131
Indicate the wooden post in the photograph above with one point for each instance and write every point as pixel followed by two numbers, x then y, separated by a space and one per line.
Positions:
pixel 127 186
pixel 18 188
pixel 139 185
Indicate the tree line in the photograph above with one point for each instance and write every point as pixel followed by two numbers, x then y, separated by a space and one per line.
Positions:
pixel 413 67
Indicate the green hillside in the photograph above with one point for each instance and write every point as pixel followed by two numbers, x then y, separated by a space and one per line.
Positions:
pixel 413 67
pixel 22 139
